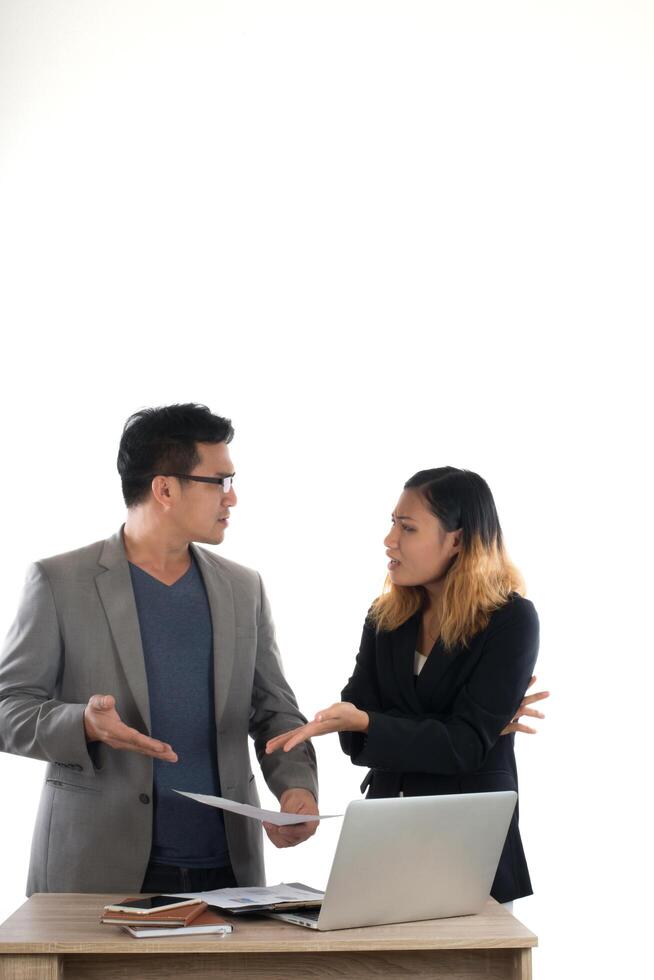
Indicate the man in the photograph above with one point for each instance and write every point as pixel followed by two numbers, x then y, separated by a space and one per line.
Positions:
pixel 139 665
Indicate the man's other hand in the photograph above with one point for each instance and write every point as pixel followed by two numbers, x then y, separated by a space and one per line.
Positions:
pixel 102 724
pixel 294 801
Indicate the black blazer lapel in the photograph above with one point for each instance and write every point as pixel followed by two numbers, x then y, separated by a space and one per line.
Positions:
pixel 403 646
pixel 434 681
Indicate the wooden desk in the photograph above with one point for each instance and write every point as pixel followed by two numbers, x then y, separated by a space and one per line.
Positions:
pixel 52 937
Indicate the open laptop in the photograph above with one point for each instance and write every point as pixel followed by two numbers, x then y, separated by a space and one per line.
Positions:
pixel 411 858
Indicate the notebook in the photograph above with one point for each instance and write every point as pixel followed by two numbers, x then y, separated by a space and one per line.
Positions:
pixel 208 923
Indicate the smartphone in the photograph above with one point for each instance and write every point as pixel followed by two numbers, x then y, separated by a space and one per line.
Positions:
pixel 157 903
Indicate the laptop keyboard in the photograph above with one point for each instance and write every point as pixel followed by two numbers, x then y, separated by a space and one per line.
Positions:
pixel 311 913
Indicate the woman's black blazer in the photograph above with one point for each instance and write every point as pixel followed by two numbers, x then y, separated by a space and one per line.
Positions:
pixel 440 732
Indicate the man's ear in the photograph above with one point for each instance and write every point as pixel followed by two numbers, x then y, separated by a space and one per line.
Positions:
pixel 161 491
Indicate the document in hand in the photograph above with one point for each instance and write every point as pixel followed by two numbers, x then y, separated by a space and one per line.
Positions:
pixel 247 810
pixel 236 900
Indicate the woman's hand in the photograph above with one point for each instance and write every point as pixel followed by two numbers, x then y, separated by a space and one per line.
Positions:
pixel 340 717
pixel 514 725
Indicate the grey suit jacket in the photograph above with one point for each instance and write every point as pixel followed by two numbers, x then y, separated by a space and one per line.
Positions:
pixel 77 634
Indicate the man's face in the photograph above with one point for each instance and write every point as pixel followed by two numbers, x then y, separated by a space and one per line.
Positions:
pixel 200 511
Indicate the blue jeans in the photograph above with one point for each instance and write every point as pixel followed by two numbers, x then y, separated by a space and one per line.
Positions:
pixel 166 878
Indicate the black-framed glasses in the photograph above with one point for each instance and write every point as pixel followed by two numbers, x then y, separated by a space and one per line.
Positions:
pixel 221 481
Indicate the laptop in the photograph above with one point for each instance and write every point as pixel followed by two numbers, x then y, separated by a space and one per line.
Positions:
pixel 411 858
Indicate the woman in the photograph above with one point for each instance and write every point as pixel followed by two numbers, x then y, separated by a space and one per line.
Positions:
pixel 446 655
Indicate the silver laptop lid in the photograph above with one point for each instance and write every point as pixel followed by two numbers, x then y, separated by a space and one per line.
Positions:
pixel 419 857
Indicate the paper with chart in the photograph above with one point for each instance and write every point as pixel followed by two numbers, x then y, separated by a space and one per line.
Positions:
pixel 255 812
pixel 257 897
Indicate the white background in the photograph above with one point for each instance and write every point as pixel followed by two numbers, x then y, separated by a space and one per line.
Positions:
pixel 380 236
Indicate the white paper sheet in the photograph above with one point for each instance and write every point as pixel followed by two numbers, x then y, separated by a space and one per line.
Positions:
pixel 255 812
pixel 243 898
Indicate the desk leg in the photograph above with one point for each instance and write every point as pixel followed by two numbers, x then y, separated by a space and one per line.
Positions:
pixel 31 967
pixel 522 964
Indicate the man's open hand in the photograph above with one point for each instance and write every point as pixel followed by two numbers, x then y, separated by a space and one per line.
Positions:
pixel 102 724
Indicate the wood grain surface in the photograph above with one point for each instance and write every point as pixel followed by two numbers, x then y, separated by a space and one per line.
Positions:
pixel 59 937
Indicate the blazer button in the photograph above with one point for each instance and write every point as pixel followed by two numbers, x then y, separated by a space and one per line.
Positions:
pixel 144 798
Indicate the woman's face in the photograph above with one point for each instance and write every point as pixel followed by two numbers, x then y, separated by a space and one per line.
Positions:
pixel 418 545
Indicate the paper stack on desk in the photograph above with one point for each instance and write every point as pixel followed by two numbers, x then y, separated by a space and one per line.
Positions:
pixel 256 899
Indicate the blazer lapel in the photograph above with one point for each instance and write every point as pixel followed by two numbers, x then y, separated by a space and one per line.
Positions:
pixel 221 603
pixel 114 586
pixel 403 646
pixel 432 685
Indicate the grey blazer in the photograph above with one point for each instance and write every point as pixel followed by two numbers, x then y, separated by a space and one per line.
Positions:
pixel 77 634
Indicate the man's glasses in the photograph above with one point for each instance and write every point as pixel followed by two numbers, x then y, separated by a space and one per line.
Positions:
pixel 221 481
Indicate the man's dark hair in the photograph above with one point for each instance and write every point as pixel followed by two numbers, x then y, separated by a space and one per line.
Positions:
pixel 163 440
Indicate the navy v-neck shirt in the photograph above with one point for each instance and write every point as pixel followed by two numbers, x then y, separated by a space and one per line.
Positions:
pixel 177 638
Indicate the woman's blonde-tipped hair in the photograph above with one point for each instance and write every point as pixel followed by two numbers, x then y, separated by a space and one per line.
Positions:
pixel 481 577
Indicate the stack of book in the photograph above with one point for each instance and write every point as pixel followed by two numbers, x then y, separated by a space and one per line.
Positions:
pixel 190 919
